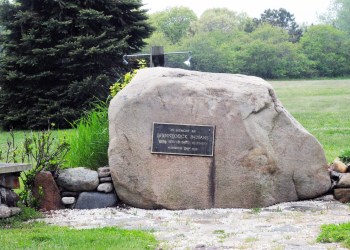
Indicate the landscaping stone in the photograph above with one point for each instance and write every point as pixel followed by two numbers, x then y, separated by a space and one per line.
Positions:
pixel 105 187
pixel 78 179
pixel 91 200
pixel 9 180
pixel 329 197
pixel 103 172
pixel 8 197
pixel 342 194
pixel 6 211
pixel 344 181
pixel 68 200
pixel 338 166
pixel 46 191
pixel 69 194
pixel 262 155
pixel 106 179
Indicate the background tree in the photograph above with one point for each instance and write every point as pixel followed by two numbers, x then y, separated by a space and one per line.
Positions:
pixel 174 22
pixel 338 14
pixel 329 50
pixel 281 18
pixel 59 55
pixel 220 19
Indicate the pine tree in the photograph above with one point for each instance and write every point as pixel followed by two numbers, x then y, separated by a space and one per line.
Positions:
pixel 61 54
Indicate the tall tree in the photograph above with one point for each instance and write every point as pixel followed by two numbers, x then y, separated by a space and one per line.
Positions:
pixel 220 19
pixel 281 18
pixel 174 22
pixel 60 54
pixel 338 14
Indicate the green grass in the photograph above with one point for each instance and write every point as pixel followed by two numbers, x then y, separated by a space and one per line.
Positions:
pixel 322 107
pixel 335 233
pixel 19 138
pixel 89 141
pixel 42 236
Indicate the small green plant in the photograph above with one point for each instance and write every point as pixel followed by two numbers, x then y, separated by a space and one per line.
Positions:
pixel 256 210
pixel 11 149
pixel 345 156
pixel 43 151
pixel 250 239
pixel 335 233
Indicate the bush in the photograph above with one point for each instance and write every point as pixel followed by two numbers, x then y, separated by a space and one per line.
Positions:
pixel 345 156
pixel 40 149
pixel 89 142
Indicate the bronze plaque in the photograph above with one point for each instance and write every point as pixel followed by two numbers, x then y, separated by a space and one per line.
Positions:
pixel 183 139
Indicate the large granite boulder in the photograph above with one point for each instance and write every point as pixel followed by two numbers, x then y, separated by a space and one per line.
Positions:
pixel 262 155
pixel 78 179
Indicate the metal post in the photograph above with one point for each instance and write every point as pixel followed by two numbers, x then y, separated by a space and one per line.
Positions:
pixel 157 56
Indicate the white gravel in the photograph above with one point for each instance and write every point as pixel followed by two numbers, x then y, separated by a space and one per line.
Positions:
pixel 293 225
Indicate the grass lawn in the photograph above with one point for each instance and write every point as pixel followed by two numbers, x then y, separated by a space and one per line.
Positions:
pixel 322 107
pixel 19 136
pixel 15 234
pixel 335 233
pixel 42 236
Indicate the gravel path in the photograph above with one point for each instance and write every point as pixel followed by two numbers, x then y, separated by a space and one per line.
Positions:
pixel 293 225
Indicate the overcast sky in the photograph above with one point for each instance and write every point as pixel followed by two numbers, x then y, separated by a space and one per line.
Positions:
pixel 305 11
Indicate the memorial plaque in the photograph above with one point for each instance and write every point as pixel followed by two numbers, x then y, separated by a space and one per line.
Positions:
pixel 182 139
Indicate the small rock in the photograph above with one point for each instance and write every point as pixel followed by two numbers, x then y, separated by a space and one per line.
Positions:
pixel 199 246
pixel 338 166
pixel 344 181
pixel 336 175
pixel 5 211
pixel 106 179
pixel 342 194
pixel 328 197
pixel 69 194
pixel 78 179
pixel 91 200
pixel 10 181
pixel 15 210
pixel 68 200
pixel 105 187
pixel 103 172
pixel 285 229
pixel 8 197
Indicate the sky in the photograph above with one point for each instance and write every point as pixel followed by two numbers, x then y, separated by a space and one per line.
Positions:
pixel 305 11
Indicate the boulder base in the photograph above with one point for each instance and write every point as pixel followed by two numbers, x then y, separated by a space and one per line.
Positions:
pixel 78 179
pixel 45 190
pixel 92 200
pixel 262 155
